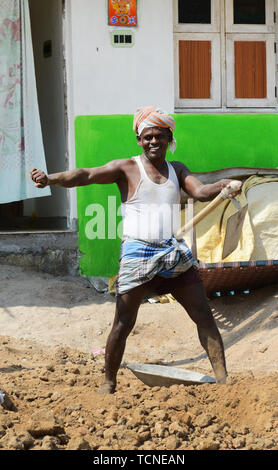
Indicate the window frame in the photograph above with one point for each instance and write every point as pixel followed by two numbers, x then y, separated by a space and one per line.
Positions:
pixel 215 100
pixel 213 27
pixel 270 101
pixel 268 27
pixel 224 100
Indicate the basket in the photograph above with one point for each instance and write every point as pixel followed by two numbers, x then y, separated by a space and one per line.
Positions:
pixel 238 276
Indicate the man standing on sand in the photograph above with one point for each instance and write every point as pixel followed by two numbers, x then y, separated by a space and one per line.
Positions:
pixel 152 259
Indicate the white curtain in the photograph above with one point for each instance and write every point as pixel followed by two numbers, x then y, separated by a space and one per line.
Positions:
pixel 21 143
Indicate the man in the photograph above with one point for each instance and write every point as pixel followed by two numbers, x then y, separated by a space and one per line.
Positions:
pixel 152 259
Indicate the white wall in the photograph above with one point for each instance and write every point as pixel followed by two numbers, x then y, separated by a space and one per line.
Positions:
pixel 102 79
pixel 109 80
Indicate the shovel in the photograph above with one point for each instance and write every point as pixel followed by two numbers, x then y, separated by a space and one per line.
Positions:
pixel 163 376
pixel 234 223
pixel 233 229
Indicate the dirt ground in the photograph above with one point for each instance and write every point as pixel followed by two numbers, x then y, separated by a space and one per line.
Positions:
pixel 53 332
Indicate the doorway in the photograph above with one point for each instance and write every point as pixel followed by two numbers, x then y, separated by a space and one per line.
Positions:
pixel 50 212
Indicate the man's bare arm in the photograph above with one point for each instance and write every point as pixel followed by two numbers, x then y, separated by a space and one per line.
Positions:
pixel 205 192
pixel 106 174
pixel 196 189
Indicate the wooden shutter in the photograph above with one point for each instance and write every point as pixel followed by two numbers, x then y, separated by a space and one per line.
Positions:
pixel 195 69
pixel 250 69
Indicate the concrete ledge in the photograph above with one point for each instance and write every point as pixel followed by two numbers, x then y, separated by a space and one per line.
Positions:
pixel 54 252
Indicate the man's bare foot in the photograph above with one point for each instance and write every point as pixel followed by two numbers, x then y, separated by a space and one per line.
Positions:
pixel 107 388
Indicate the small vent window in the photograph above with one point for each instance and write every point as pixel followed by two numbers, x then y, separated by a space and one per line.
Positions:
pixel 122 39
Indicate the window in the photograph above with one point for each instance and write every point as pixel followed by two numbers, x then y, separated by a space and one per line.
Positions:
pixel 194 12
pixel 249 12
pixel 225 54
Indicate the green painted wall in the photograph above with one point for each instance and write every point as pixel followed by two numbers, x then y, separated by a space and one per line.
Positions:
pixel 204 143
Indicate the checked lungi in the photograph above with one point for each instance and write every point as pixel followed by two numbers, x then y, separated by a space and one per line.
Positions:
pixel 140 261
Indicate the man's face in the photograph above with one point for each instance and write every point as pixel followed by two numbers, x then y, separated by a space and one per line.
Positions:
pixel 154 142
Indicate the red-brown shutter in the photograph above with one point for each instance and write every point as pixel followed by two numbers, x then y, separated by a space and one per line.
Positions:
pixel 250 69
pixel 195 69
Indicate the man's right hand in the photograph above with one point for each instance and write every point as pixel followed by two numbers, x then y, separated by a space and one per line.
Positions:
pixel 39 177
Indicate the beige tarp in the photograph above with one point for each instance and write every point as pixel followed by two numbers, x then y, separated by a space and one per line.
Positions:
pixel 260 229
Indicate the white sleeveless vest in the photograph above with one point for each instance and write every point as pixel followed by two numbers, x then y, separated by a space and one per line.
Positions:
pixel 153 212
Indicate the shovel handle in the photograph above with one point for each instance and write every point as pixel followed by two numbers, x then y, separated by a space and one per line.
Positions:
pixel 232 187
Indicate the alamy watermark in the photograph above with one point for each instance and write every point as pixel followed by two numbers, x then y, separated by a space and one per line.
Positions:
pixel 151 221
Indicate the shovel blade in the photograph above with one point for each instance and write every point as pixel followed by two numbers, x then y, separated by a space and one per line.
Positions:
pixel 233 231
